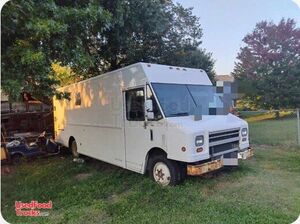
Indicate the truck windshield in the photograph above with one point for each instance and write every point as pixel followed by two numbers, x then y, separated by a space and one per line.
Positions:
pixel 183 100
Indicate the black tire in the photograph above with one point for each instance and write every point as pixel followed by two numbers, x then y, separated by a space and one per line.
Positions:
pixel 183 171
pixel 158 175
pixel 73 147
pixel 16 159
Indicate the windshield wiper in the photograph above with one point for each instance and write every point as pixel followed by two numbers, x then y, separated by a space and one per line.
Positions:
pixel 180 114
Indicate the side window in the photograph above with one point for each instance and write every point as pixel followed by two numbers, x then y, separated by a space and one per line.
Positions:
pixel 156 110
pixel 135 100
pixel 77 99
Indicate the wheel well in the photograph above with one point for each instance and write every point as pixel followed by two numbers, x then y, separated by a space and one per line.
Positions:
pixel 71 139
pixel 156 151
pixel 152 152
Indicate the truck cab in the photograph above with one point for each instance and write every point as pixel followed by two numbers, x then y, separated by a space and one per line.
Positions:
pixel 196 140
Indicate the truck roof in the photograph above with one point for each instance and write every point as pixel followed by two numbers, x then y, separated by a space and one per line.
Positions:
pixel 173 74
pixel 158 73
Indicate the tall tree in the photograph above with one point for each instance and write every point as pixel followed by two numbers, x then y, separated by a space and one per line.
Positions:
pixel 37 33
pixel 92 37
pixel 152 31
pixel 268 67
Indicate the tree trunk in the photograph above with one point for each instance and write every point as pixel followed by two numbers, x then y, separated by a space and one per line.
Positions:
pixel 113 64
pixel 10 106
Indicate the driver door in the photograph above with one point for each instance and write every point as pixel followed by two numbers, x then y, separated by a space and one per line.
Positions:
pixel 137 135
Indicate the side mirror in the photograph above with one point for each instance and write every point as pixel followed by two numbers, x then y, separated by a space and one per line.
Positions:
pixel 150 115
pixel 149 109
pixel 149 105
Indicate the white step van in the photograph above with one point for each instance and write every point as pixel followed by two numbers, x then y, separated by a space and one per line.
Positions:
pixel 151 118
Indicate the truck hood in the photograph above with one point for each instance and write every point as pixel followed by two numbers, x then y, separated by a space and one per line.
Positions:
pixel 208 123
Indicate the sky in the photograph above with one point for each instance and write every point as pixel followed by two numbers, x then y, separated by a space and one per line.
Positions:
pixel 226 22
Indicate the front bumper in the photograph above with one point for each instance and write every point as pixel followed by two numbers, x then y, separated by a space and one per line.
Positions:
pixel 196 170
pixel 246 154
pixel 199 169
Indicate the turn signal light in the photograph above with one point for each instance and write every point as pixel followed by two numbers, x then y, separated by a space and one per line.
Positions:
pixel 199 149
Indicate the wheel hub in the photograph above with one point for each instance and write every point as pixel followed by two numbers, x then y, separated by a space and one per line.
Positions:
pixel 161 174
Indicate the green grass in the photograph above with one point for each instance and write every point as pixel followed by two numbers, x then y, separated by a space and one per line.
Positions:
pixel 274 132
pixel 265 189
pixel 247 114
pixel 252 116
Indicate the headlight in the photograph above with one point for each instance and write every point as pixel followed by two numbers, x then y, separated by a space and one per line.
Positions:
pixel 244 132
pixel 199 141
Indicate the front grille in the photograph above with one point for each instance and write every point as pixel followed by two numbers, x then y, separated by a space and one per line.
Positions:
pixel 222 141
pixel 224 135
pixel 213 150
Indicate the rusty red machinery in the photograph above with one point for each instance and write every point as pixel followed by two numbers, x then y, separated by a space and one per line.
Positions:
pixel 28 116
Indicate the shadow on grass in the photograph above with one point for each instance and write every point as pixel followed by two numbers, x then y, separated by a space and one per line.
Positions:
pixel 233 173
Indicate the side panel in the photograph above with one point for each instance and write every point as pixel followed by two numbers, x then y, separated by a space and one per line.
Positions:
pixel 94 114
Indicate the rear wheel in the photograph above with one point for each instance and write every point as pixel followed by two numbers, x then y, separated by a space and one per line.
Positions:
pixel 163 171
pixel 73 147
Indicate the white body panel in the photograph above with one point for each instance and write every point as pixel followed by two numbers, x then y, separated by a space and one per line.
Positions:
pixel 176 75
pixel 183 131
pixel 101 130
pixel 98 123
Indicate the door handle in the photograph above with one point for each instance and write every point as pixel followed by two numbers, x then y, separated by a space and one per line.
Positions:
pixel 151 134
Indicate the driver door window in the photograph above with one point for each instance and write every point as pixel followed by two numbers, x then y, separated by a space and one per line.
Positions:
pixel 135 101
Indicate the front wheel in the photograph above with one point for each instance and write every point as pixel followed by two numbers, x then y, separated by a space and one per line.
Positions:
pixel 163 171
